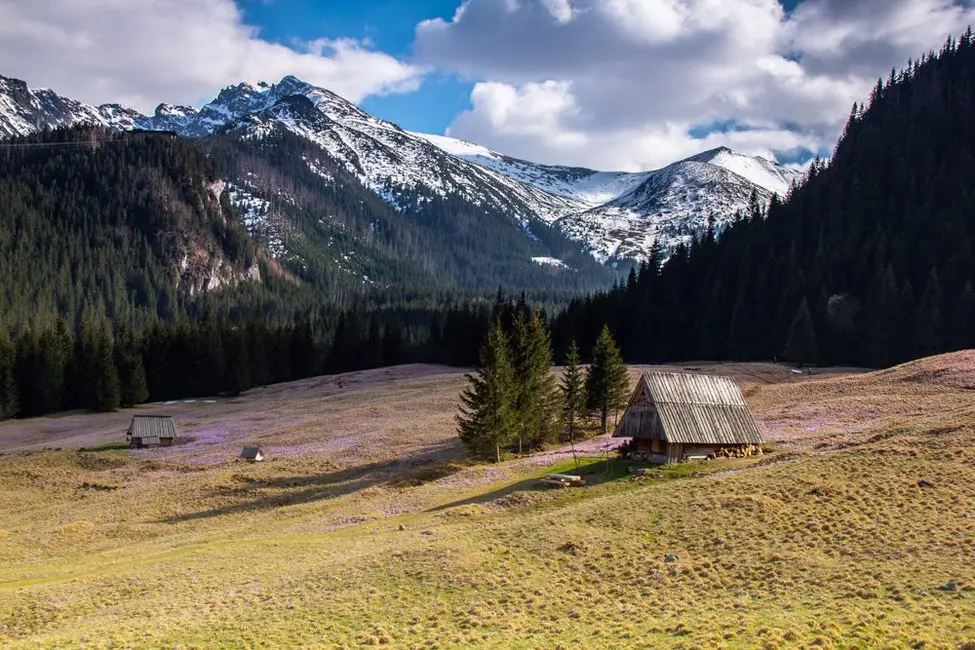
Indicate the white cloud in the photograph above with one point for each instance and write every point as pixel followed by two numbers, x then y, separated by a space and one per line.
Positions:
pixel 625 83
pixel 561 10
pixel 142 52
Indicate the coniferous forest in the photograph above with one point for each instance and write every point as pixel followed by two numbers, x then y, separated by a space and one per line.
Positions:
pixel 868 262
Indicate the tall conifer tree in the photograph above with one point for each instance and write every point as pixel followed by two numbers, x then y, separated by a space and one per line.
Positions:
pixel 573 387
pixel 131 370
pixel 538 397
pixel 487 419
pixel 9 405
pixel 800 344
pixel 105 373
pixel 607 382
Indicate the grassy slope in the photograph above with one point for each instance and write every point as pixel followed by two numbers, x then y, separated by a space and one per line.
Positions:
pixel 828 543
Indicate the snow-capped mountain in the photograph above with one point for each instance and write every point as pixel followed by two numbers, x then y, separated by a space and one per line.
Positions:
pixel 624 212
pixel 674 203
pixel 584 186
pixel 613 215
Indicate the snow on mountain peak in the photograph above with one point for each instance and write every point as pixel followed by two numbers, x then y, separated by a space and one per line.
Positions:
pixel 613 214
pixel 765 173
pixel 173 110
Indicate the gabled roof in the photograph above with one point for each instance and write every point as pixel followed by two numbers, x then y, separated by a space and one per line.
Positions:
pixel 251 452
pixel 152 426
pixel 693 409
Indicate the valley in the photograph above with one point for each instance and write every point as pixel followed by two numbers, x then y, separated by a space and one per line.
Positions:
pixel 365 525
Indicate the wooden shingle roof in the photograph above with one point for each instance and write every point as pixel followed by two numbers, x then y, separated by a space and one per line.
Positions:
pixel 693 409
pixel 152 426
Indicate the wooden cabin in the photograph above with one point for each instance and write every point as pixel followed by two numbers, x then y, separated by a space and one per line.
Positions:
pixel 673 417
pixel 252 454
pixel 151 431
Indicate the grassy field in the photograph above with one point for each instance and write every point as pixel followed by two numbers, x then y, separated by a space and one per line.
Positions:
pixel 367 526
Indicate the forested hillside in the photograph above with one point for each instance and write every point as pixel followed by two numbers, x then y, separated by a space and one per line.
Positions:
pixel 870 262
pixel 121 225
pixel 326 227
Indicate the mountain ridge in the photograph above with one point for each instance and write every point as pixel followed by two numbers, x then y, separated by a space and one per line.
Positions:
pixel 597 209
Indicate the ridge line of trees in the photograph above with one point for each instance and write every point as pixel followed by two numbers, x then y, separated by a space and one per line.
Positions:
pixel 513 402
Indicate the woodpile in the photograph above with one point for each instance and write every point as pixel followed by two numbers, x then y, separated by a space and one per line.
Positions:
pixel 739 451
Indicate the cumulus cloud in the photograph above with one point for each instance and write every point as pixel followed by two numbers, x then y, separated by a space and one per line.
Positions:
pixel 142 52
pixel 631 84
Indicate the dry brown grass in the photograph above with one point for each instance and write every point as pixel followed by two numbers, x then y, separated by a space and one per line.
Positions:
pixel 367 529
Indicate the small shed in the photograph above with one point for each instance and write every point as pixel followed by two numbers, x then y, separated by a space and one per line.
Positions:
pixel 673 417
pixel 151 431
pixel 252 454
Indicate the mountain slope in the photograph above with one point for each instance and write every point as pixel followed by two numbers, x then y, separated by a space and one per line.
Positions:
pixel 622 213
pixel 871 262
pixel 128 225
pixel 673 204
pixel 586 187
pixel 458 224
pixel 612 215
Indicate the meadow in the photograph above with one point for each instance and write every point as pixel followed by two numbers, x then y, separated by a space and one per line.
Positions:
pixel 367 526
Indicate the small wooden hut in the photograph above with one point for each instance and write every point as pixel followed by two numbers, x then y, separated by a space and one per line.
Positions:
pixel 252 454
pixel 674 417
pixel 151 431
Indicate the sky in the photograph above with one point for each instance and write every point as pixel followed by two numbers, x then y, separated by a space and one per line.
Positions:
pixel 606 84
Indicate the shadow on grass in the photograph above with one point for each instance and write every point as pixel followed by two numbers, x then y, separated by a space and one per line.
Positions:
pixel 258 494
pixel 112 446
pixel 594 473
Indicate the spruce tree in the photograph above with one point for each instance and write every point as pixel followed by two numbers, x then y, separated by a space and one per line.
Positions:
pixel 131 370
pixel 932 334
pixel 800 344
pixel 106 385
pixel 573 387
pixel 607 382
pixel 238 366
pixel 9 405
pixel 537 403
pixel 487 419
pixel 963 320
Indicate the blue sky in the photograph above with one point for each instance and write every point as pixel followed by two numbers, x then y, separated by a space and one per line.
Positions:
pixel 388 25
pixel 606 84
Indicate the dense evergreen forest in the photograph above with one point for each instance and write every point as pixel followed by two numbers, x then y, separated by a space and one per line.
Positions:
pixel 869 262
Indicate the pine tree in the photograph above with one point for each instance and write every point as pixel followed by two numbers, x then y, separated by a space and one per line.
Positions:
pixel 9 405
pixel 487 420
pixel 238 366
pixel 573 387
pixel 800 345
pixel 607 382
pixel 932 334
pixel 537 403
pixel 105 389
pixel 885 332
pixel 963 320
pixel 304 356
pixel 131 370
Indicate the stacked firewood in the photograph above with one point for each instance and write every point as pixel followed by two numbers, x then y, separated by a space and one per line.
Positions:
pixel 739 451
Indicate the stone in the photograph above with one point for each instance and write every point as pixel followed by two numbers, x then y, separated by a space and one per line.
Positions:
pixel 948 586
pixel 925 484
pixel 402 527
pixel 670 558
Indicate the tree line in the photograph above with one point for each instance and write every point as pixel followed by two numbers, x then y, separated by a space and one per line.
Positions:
pixel 513 402
pixel 870 261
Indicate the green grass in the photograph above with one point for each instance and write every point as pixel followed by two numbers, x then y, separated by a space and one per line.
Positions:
pixel 835 547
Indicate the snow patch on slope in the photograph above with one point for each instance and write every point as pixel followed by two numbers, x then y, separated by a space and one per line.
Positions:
pixel 550 261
